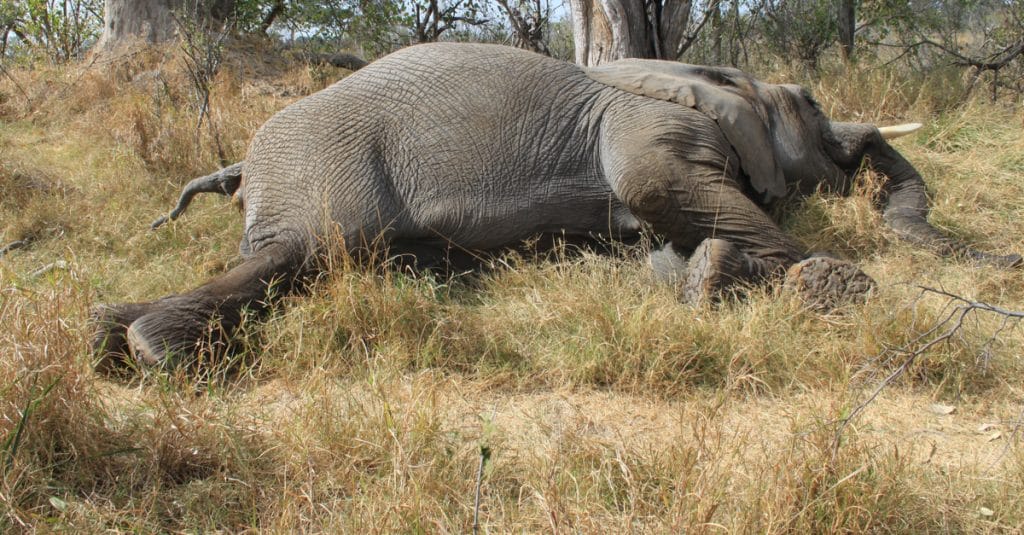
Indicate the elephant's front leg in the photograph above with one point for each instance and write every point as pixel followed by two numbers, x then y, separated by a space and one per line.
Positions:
pixel 729 240
pixel 703 213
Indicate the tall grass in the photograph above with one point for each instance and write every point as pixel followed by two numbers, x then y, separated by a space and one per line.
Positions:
pixel 606 404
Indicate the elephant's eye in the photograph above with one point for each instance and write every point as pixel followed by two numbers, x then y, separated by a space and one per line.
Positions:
pixel 811 101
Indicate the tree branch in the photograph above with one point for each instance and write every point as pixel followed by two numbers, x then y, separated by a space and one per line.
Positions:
pixel 692 38
pixel 959 309
pixel 989 62
pixel 271 16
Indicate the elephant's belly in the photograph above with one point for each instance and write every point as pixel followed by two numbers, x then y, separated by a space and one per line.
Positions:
pixel 487 224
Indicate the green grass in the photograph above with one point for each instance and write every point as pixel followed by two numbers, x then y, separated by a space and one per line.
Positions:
pixel 608 406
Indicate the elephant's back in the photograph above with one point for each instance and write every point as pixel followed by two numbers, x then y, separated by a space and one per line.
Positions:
pixel 419 82
pixel 439 70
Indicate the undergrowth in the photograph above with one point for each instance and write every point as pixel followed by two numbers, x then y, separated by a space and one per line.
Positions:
pixel 606 405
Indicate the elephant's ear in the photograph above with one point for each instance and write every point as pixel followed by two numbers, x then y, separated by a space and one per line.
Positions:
pixel 726 95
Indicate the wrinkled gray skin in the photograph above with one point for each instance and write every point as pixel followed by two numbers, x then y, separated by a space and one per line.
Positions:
pixel 482 146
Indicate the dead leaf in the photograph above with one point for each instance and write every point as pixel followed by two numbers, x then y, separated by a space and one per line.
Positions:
pixel 993 436
pixel 941 409
pixel 986 427
pixel 985 511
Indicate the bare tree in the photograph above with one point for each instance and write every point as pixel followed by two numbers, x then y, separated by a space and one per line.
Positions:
pixel 984 37
pixel 1006 57
pixel 847 27
pixel 149 20
pixel 716 35
pixel 529 22
pixel 202 42
pixel 606 30
pixel 431 18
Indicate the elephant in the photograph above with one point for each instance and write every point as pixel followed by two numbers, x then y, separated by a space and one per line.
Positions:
pixel 474 147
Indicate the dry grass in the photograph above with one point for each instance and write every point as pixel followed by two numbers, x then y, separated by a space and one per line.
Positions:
pixel 607 406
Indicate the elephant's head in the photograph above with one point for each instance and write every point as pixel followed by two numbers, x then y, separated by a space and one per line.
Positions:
pixel 785 142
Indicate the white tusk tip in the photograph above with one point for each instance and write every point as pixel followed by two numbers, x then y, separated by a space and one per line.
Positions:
pixel 900 130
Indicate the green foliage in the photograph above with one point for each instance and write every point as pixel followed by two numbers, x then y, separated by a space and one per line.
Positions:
pixel 250 14
pixel 376 26
pixel 61 28
pixel 559 40
pixel 800 29
pixel 327 20
pixel 372 23
pixel 985 36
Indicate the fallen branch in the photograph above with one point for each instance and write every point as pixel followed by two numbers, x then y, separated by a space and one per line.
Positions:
pixel 340 60
pixel 17 85
pixel 52 266
pixel 18 244
pixel 959 310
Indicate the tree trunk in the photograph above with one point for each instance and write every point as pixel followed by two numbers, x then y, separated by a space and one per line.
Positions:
pixel 738 37
pixel 152 21
pixel 275 11
pixel 716 36
pixel 847 26
pixel 130 20
pixel 607 30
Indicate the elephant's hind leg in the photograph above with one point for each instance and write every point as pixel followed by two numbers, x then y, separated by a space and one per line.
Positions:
pixel 110 337
pixel 173 330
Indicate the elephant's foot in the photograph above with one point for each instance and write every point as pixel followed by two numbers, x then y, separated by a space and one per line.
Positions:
pixel 826 283
pixel 110 335
pixel 176 334
pixel 669 267
pixel 714 267
pixel 178 330
pixel 164 333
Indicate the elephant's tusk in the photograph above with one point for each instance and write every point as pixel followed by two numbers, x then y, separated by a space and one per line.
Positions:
pixel 900 130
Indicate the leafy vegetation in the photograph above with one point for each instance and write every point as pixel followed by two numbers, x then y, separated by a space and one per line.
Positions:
pixel 986 36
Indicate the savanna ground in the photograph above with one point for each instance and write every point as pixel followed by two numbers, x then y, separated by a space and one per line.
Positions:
pixel 602 403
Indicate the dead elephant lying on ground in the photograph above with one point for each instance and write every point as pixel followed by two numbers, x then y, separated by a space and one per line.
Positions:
pixel 479 146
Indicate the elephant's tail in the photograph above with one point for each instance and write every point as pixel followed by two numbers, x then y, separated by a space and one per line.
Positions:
pixel 226 182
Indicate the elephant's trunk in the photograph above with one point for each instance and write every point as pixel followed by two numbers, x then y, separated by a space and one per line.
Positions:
pixel 906 208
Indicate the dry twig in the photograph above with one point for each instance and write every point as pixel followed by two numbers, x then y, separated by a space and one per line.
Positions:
pixel 18 244
pixel 956 311
pixel 485 454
